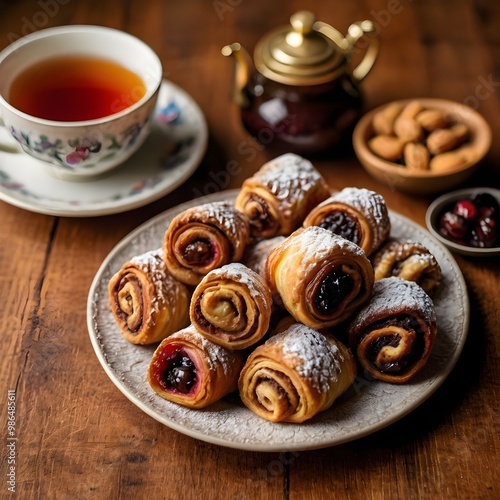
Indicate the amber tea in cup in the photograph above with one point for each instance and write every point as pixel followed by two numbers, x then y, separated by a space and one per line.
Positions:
pixel 81 99
pixel 75 88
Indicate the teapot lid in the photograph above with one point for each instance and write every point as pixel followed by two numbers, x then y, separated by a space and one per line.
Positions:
pixel 301 55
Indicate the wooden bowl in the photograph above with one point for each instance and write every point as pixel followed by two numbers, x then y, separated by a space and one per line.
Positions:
pixel 423 181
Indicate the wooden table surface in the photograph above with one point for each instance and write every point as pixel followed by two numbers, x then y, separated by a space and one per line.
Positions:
pixel 79 437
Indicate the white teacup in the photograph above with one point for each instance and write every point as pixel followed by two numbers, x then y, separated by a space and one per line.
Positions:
pixel 79 150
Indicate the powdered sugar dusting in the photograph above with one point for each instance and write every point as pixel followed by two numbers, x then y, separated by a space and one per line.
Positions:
pixel 320 360
pixel 371 204
pixel 393 296
pixel 215 355
pixel 289 177
pixel 166 286
pixel 405 249
pixel 240 273
pixel 316 244
pixel 224 215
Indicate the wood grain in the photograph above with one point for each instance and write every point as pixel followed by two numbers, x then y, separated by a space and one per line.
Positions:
pixel 79 437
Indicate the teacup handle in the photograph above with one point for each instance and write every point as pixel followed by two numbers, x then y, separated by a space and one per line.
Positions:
pixel 8 147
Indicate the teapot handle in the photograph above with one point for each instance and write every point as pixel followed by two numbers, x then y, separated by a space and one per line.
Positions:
pixel 354 33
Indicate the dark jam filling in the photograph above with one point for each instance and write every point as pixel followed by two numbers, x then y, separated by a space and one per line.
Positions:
pixel 332 292
pixel 405 362
pixel 176 372
pixel 199 252
pixel 342 224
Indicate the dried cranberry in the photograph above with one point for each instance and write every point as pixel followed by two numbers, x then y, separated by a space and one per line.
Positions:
pixel 453 226
pixel 485 232
pixel 486 200
pixel 466 209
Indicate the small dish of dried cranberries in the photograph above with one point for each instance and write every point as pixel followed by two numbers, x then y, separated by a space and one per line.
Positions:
pixel 467 221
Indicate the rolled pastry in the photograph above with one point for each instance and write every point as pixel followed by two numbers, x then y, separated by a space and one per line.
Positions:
pixel 256 253
pixel 357 214
pixel 408 260
pixel 203 238
pixel 392 336
pixel 295 375
pixel 320 277
pixel 232 306
pixel 188 369
pixel 147 302
pixel 277 198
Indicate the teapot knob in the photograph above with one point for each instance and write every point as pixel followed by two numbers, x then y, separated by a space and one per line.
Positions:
pixel 303 21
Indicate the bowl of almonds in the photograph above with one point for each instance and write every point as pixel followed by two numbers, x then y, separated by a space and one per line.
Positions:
pixel 421 146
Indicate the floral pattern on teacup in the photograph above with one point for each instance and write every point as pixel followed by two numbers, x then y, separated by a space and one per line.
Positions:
pixel 174 154
pixel 78 152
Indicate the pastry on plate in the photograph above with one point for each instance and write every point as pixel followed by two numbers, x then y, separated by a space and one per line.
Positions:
pixel 277 197
pixel 232 306
pixel 295 375
pixel 319 277
pixel 147 302
pixel 408 260
pixel 203 238
pixel 392 336
pixel 358 214
pixel 192 371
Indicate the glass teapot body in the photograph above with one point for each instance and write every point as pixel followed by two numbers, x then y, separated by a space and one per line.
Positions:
pixel 303 119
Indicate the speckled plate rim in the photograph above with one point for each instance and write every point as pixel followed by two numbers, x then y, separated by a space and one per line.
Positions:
pixel 145 177
pixel 368 406
pixel 439 203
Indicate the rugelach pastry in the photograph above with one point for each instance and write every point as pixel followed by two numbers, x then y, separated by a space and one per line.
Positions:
pixel 357 214
pixel 232 306
pixel 192 371
pixel 203 238
pixel 277 198
pixel 392 336
pixel 320 277
pixel 408 260
pixel 257 251
pixel 295 375
pixel 147 302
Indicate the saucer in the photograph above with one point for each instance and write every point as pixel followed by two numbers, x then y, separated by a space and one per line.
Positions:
pixel 168 157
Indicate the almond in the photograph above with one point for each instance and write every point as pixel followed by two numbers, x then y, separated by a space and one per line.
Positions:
pixel 431 119
pixel 416 156
pixel 383 121
pixel 452 160
pixel 407 129
pixel 387 147
pixel 442 140
pixel 412 109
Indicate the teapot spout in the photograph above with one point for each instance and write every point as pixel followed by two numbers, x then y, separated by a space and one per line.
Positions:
pixel 241 73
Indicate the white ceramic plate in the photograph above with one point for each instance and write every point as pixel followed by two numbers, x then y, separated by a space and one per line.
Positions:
pixel 365 408
pixel 169 156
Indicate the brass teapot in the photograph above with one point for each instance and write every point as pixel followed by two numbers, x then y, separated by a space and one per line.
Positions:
pixel 302 93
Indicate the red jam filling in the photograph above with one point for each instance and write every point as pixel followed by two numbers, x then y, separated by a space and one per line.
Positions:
pixel 174 370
